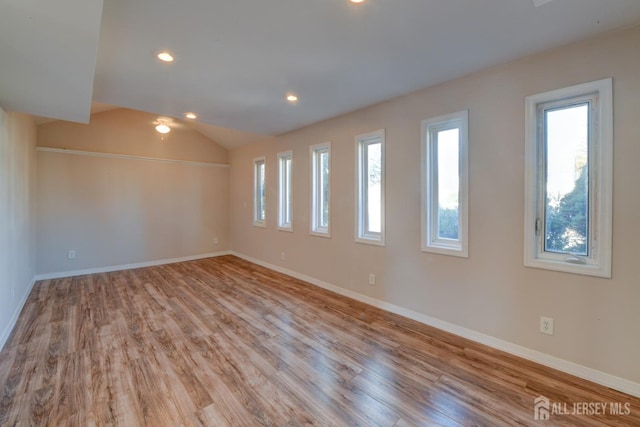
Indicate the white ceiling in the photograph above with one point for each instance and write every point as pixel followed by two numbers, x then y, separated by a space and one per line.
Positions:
pixel 48 55
pixel 236 60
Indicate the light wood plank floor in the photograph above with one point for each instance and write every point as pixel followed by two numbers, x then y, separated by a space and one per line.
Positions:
pixel 222 342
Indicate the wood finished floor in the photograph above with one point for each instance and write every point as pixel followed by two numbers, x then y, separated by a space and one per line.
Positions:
pixel 222 342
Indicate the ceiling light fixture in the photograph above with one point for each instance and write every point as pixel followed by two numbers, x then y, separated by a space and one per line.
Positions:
pixel 165 57
pixel 292 98
pixel 357 1
pixel 163 128
pixel 191 116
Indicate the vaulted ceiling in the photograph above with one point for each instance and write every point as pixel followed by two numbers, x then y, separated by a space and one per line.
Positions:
pixel 236 60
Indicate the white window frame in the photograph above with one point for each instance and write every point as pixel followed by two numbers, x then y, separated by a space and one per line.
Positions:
pixel 257 221
pixel 316 192
pixel 285 190
pixel 430 204
pixel 363 235
pixel 598 262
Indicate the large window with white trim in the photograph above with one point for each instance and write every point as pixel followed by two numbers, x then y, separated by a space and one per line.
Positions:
pixel 445 184
pixel 569 144
pixel 259 197
pixel 285 194
pixel 320 189
pixel 370 188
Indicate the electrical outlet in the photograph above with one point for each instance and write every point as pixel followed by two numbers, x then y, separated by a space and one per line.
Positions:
pixel 372 279
pixel 215 241
pixel 546 325
pixel 71 254
pixel 283 256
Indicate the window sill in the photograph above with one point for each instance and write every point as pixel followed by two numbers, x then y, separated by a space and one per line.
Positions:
pixel 326 234
pixel 460 253
pixel 566 267
pixel 373 242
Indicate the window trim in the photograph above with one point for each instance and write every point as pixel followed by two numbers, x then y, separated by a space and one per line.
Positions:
pixel 315 229
pixel 598 263
pixel 429 243
pixel 282 226
pixel 257 222
pixel 361 235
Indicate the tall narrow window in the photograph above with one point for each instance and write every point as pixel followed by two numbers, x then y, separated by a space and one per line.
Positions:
pixel 370 188
pixel 259 215
pixel 320 189
pixel 285 208
pixel 445 184
pixel 568 179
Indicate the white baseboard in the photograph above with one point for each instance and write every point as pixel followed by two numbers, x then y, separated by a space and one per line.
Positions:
pixel 127 266
pixel 580 371
pixel 14 319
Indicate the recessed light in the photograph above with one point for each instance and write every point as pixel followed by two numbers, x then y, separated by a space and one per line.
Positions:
pixel 357 1
pixel 191 116
pixel 162 128
pixel 165 57
pixel 292 98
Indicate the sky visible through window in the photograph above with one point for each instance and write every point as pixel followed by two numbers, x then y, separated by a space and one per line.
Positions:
pixel 448 168
pixel 567 148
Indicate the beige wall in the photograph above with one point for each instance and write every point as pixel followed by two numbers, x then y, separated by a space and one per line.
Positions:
pixel 17 197
pixel 596 320
pixel 115 211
